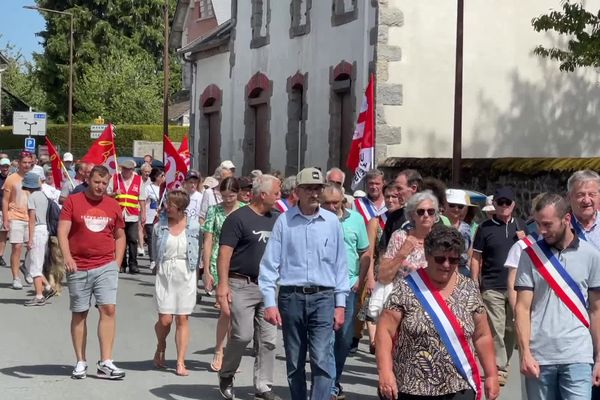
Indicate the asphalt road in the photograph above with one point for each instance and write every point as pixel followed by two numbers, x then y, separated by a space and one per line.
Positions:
pixel 36 355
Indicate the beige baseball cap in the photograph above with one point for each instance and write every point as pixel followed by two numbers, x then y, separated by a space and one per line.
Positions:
pixel 310 176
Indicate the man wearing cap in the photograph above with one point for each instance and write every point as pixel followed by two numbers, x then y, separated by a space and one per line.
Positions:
pixel 306 258
pixel 244 236
pixel 491 245
pixel 15 214
pixel 68 163
pixel 126 188
pixel 192 180
pixel 245 193
pixel 457 200
pixel 227 164
pixel 4 166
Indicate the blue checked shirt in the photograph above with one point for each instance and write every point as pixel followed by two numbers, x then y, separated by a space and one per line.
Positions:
pixel 305 251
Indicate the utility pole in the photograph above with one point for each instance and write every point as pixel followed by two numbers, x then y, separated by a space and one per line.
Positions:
pixel 166 70
pixel 458 96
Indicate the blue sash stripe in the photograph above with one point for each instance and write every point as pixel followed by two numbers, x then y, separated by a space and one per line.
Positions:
pixel 580 233
pixel 561 270
pixel 438 326
pixel 369 207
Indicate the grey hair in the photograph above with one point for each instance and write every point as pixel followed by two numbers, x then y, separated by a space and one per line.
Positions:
pixel 374 173
pixel 146 166
pixel 255 173
pixel 288 186
pixel 218 173
pixel 413 202
pixel 331 187
pixel 339 171
pixel 585 175
pixel 262 184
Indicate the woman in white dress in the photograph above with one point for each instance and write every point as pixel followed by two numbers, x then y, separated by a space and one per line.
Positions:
pixel 176 241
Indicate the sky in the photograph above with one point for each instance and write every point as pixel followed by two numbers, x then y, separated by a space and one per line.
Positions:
pixel 18 26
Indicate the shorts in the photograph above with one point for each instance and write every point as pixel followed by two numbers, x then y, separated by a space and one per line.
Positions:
pixel 18 232
pixel 101 282
pixel 35 256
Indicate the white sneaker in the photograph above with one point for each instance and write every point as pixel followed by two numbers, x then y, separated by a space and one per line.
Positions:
pixel 17 285
pixel 80 370
pixel 152 264
pixel 108 370
pixel 141 252
pixel 29 279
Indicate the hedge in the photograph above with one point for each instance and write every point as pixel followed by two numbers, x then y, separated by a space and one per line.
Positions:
pixel 81 141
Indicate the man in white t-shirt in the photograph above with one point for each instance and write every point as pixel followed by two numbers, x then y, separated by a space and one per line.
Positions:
pixel 145 170
pixel 192 180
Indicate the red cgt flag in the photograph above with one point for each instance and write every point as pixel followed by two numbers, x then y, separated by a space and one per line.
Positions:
pixel 175 168
pixel 361 159
pixel 184 152
pixel 103 150
pixel 55 163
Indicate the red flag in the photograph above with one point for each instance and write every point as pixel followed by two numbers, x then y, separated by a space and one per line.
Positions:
pixel 103 150
pixel 55 163
pixel 175 168
pixel 361 158
pixel 184 152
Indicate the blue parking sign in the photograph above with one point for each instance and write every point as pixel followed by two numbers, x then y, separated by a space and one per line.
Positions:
pixel 30 144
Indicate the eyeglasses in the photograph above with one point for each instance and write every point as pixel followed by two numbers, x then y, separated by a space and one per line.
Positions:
pixel 422 211
pixel 504 202
pixel 459 206
pixel 442 259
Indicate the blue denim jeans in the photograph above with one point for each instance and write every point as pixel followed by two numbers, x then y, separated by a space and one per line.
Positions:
pixel 307 321
pixel 562 381
pixel 343 339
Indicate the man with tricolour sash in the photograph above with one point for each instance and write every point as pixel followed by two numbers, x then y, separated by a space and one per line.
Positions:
pixel 558 306
pixel 373 204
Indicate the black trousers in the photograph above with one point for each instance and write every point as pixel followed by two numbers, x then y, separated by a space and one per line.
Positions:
pixel 131 237
pixel 148 228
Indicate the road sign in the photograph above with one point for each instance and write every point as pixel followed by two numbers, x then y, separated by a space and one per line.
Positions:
pixel 22 121
pixel 30 144
pixel 96 131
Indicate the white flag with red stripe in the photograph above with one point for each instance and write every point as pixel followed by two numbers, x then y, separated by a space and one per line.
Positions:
pixel 361 157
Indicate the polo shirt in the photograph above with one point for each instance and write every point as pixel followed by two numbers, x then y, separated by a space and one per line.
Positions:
pixel 493 240
pixel 356 240
pixel 557 336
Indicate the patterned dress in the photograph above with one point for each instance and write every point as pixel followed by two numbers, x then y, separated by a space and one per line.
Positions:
pixel 422 364
pixel 415 260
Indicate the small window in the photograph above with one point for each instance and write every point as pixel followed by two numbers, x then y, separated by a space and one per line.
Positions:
pixel 343 11
pixel 259 22
pixel 300 17
pixel 204 9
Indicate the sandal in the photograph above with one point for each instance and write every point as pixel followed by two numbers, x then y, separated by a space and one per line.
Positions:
pixel 159 357
pixel 181 370
pixel 215 365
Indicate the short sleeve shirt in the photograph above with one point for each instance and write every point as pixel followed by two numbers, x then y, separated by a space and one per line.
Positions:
pixel 17 198
pixel 557 336
pixel 356 240
pixel 93 227
pixel 422 364
pixel 247 233
pixel 214 222
pixel 414 261
pixel 39 202
pixel 193 209
pixel 493 240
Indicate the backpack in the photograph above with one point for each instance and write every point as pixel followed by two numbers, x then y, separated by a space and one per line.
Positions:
pixel 52 217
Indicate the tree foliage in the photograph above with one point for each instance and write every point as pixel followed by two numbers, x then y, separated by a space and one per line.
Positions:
pixel 106 33
pixel 20 77
pixel 583 41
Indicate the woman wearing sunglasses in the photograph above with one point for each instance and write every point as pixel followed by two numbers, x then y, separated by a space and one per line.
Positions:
pixel 439 319
pixel 457 202
pixel 405 253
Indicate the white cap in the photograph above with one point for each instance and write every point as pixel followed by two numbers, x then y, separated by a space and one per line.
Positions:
pixel 457 196
pixel 359 193
pixel 489 204
pixel 67 157
pixel 4 161
pixel 227 164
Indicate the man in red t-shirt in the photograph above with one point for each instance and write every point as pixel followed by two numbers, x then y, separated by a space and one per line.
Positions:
pixel 92 240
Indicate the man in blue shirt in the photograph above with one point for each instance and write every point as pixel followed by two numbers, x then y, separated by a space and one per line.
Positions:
pixel 306 255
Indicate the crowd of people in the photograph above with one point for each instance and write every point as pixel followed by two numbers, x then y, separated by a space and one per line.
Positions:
pixel 440 288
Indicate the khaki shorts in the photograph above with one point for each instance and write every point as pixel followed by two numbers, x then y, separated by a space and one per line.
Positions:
pixel 18 232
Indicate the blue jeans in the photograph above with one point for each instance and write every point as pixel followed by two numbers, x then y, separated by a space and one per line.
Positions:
pixel 562 381
pixel 343 339
pixel 307 321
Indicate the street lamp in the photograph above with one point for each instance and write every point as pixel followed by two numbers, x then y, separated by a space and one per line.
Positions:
pixel 3 68
pixel 70 112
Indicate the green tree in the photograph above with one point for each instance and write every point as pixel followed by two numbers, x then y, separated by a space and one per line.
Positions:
pixel 123 89
pixel 582 28
pixel 103 29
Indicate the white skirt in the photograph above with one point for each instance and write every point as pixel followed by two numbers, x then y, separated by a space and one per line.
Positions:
pixel 175 289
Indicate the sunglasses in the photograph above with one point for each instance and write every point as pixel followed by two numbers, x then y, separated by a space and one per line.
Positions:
pixel 422 211
pixel 442 259
pixel 459 206
pixel 504 202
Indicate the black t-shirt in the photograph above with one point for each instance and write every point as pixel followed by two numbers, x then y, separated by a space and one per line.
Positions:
pixel 247 233
pixel 394 222
pixel 82 187
pixel 493 240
